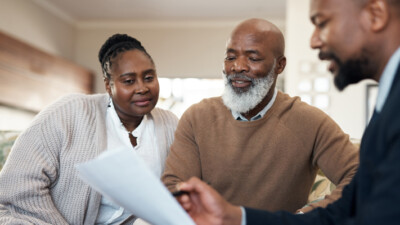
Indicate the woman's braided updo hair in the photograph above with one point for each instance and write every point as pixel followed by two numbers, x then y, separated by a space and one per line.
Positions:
pixel 114 45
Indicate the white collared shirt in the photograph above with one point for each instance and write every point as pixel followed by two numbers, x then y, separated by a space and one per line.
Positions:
pixel 118 137
pixel 385 83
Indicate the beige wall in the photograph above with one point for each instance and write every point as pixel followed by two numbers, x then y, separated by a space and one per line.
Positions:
pixel 25 20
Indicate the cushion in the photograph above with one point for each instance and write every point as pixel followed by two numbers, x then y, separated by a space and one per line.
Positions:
pixel 7 139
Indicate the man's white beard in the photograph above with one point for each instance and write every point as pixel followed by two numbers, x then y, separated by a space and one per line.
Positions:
pixel 243 102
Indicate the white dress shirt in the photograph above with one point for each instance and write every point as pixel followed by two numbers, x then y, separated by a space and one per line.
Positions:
pixel 118 137
pixel 385 83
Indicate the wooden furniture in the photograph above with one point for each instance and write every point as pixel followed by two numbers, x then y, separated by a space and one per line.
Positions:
pixel 31 79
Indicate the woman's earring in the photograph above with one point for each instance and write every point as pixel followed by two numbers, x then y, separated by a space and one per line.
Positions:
pixel 109 102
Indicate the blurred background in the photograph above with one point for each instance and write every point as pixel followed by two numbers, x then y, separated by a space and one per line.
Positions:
pixel 186 39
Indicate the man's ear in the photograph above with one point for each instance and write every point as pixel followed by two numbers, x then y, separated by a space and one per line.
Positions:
pixel 280 65
pixel 107 85
pixel 378 11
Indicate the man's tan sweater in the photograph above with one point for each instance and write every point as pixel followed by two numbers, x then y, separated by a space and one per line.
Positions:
pixel 270 163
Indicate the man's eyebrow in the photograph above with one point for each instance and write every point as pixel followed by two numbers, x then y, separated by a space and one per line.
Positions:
pixel 149 71
pixel 230 50
pixel 251 51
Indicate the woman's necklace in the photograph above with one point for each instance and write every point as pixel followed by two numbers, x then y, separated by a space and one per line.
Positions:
pixel 131 137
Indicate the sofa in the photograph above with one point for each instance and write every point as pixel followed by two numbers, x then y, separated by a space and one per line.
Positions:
pixel 321 187
pixel 7 139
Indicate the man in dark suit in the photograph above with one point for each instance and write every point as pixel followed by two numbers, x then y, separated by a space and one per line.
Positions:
pixel 361 39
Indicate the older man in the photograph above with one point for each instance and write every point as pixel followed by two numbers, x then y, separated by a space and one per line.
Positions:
pixel 361 38
pixel 257 146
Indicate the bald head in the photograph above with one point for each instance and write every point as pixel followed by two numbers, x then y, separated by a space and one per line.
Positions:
pixel 264 31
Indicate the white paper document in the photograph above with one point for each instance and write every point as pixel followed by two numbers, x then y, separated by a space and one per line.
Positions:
pixel 123 177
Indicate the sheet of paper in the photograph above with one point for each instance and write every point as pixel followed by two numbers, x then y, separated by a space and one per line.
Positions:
pixel 123 177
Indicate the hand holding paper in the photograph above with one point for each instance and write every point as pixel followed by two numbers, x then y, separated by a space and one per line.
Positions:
pixel 123 177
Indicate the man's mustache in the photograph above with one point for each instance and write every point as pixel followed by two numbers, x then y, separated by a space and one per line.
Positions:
pixel 239 76
pixel 329 56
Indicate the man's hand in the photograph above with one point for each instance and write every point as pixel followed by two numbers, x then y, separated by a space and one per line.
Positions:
pixel 206 206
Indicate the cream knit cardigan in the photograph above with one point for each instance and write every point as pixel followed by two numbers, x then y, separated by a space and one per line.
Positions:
pixel 39 183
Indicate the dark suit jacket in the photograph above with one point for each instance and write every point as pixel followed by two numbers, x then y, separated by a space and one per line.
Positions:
pixel 373 196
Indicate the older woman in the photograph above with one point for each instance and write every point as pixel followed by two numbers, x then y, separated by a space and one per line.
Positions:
pixel 39 183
